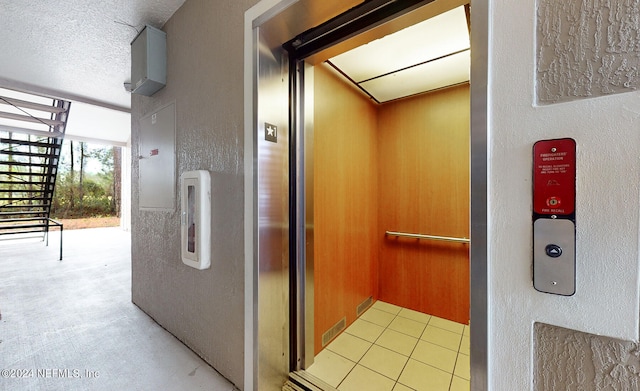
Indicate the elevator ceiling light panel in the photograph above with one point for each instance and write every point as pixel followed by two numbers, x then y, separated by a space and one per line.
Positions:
pixel 426 56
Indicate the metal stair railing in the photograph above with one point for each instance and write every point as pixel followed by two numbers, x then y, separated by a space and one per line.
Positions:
pixel 29 168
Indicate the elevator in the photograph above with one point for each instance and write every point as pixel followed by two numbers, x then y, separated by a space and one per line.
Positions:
pixel 336 186
pixel 387 179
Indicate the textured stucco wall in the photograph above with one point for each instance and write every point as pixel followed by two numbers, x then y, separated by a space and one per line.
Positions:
pixel 606 130
pixel 587 48
pixel 204 309
pixel 572 361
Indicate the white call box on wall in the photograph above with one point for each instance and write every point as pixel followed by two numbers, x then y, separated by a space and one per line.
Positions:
pixel 195 189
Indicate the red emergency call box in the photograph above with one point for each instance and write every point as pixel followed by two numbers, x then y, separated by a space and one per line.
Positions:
pixel 554 178
pixel 554 211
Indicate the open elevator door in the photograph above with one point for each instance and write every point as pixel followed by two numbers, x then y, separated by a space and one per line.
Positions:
pixel 267 360
pixel 344 32
pixel 269 314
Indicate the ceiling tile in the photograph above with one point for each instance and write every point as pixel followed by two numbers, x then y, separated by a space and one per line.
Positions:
pixel 432 75
pixel 436 37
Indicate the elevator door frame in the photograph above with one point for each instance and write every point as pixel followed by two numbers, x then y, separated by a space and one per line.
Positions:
pixel 270 10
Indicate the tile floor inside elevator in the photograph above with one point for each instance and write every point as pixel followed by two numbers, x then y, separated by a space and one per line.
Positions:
pixel 390 348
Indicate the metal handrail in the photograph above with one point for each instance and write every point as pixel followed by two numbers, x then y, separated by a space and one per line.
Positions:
pixel 429 237
pixel 61 226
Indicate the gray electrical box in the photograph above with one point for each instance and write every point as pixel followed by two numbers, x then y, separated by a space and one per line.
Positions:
pixel 148 61
pixel 157 159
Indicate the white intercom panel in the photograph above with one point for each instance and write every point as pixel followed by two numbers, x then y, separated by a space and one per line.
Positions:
pixel 195 189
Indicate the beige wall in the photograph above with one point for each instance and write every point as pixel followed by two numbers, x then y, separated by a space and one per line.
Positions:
pixel 204 309
pixel 570 360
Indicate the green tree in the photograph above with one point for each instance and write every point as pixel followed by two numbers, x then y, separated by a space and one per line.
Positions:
pixel 86 192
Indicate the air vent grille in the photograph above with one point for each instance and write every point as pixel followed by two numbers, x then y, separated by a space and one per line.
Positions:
pixel 334 331
pixel 362 307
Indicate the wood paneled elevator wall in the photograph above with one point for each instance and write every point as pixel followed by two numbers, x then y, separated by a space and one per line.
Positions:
pixel 423 142
pixel 400 166
pixel 346 201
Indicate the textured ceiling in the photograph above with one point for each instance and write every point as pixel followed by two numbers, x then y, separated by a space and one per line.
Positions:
pixel 79 48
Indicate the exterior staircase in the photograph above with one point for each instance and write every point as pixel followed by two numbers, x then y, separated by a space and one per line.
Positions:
pixel 31 135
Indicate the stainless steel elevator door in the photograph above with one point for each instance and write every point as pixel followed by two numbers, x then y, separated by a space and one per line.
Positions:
pixel 272 177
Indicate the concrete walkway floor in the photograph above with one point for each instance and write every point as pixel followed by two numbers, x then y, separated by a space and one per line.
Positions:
pixel 71 325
